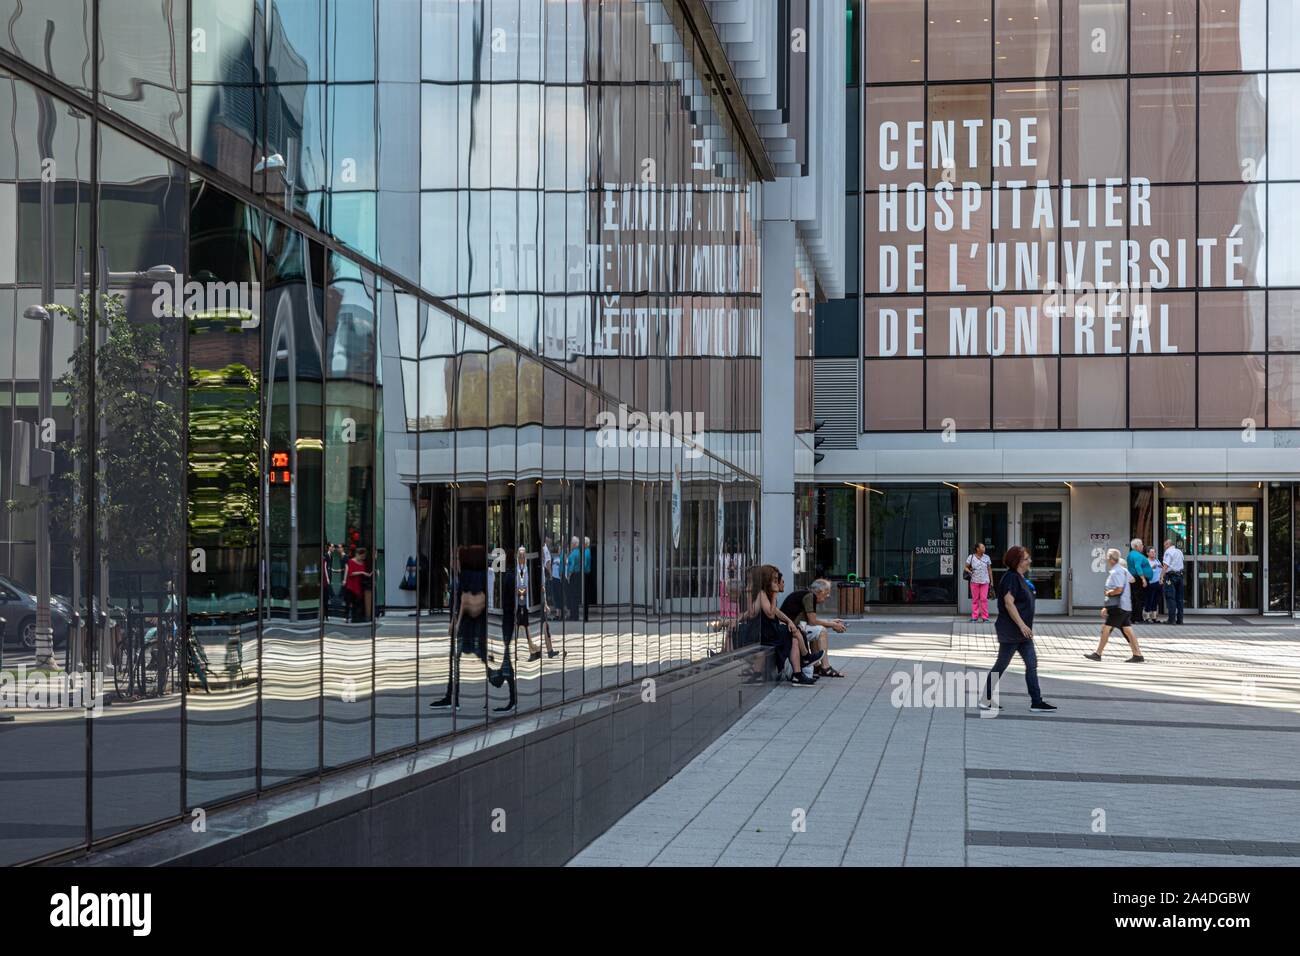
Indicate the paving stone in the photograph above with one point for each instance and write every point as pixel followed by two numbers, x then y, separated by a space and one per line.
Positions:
pixel 1191 756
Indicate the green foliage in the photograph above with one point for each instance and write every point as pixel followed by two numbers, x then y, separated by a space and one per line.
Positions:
pixel 225 438
pixel 139 467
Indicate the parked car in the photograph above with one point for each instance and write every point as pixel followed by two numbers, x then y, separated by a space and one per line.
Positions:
pixel 18 608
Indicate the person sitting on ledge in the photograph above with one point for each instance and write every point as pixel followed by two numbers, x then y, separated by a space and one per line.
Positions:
pixel 801 607
pixel 777 630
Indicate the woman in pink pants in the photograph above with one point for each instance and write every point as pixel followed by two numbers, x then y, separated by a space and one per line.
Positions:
pixel 978 566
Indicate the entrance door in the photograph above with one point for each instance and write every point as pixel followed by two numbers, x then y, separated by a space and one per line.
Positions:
pixel 1042 531
pixel 1037 522
pixel 1221 549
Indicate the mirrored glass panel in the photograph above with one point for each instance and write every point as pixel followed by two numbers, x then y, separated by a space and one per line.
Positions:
pixel 143 65
pixel 351 518
pixel 53 37
pixel 49 642
pixel 224 547
pixel 292 507
pixel 140 533
pixel 427 342
pixel 400 573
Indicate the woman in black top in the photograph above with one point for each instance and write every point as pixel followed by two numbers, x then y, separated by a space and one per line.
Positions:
pixel 777 630
pixel 1015 630
pixel 468 617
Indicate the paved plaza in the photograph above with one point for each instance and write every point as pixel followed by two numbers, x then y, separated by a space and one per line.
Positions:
pixel 1191 759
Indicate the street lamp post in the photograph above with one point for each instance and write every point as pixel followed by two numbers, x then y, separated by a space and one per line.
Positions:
pixel 43 456
pixel 44 628
pixel 46 121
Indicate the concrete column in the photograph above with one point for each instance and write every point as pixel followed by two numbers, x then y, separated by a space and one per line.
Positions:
pixel 778 378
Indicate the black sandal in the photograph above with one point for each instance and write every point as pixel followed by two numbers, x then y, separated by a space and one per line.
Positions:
pixel 828 672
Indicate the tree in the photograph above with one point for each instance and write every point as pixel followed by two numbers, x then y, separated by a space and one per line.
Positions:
pixel 139 469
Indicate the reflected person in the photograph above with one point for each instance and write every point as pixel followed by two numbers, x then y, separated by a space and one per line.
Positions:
pixel 573 577
pixel 468 617
pixel 522 614
pixel 514 610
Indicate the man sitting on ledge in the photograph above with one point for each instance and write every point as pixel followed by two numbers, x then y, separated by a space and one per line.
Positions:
pixel 801 607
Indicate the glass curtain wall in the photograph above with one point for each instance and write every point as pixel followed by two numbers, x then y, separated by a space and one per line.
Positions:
pixel 393 312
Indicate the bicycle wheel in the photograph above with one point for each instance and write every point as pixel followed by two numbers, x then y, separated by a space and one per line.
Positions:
pixel 122 669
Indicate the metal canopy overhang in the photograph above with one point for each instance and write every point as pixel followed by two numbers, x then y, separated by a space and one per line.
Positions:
pixel 692 19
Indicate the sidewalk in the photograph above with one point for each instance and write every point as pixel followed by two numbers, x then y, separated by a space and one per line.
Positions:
pixel 1189 759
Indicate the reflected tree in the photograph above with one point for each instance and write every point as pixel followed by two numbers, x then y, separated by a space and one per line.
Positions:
pixel 139 461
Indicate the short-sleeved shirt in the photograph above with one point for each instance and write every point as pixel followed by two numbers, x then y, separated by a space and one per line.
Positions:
pixel 980 566
pixel 1119 578
pixel 1012 583
pixel 1155 572
pixel 799 605
pixel 1173 559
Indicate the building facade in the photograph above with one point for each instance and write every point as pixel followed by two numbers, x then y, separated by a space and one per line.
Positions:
pixel 301 302
pixel 1072 316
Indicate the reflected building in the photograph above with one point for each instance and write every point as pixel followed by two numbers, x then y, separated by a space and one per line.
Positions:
pixel 304 304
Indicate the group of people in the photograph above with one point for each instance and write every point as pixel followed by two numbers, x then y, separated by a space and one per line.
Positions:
pixel 469 621
pixel 1139 571
pixel 1159 580
pixel 350 580
pixel 792 627
pixel 565 575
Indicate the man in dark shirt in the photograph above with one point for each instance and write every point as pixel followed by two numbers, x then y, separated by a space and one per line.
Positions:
pixel 801 607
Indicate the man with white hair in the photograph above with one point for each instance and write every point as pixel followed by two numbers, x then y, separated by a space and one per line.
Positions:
pixel 1140 568
pixel 801 607
pixel 1118 611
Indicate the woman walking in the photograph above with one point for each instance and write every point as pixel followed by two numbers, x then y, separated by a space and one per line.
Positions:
pixel 468 617
pixel 355 583
pixel 979 569
pixel 521 611
pixel 1014 627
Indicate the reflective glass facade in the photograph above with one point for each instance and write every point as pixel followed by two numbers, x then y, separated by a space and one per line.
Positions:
pixel 1095 201
pixel 314 312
